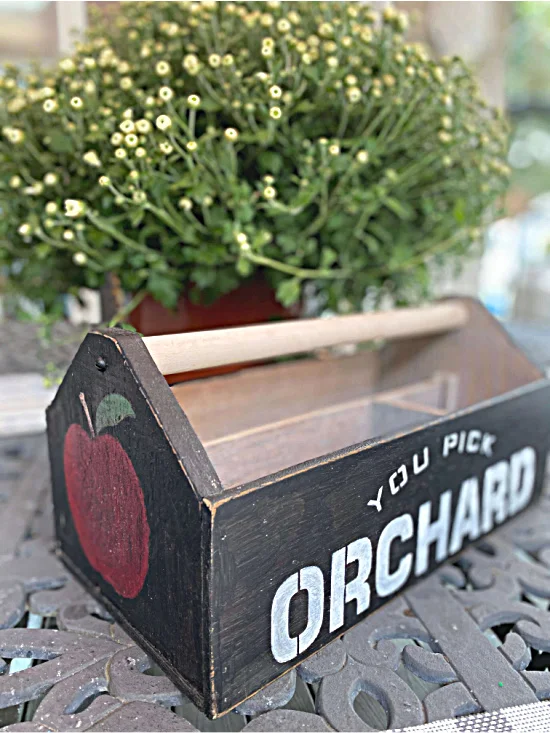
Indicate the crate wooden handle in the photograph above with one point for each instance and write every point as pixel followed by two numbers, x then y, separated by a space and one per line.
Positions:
pixel 183 352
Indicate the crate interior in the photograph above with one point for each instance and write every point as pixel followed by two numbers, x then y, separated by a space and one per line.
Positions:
pixel 267 418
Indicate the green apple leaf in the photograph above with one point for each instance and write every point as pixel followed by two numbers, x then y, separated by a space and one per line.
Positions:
pixel 111 410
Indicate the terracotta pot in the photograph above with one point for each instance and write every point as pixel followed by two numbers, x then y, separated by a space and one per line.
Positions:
pixel 252 302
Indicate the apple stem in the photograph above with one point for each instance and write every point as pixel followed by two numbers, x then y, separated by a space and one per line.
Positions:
pixel 87 413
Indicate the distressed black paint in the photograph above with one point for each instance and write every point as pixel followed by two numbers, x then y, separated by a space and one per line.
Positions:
pixel 301 520
pixel 173 585
pixel 218 557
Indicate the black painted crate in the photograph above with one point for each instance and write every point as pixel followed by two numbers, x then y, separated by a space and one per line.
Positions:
pixel 288 501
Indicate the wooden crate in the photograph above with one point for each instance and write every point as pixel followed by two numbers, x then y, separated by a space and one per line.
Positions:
pixel 235 525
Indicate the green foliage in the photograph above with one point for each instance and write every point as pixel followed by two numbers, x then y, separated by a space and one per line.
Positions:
pixel 186 146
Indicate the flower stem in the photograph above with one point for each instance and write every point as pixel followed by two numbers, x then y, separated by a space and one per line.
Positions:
pixel 302 272
pixel 108 229
pixel 127 309
pixel 87 413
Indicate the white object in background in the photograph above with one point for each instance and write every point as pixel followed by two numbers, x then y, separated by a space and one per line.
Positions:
pixel 72 19
pixel 533 294
pixel 501 267
pixel 23 402
pixel 88 311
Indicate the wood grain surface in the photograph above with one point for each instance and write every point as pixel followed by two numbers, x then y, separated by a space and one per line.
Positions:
pixel 272 446
pixel 198 350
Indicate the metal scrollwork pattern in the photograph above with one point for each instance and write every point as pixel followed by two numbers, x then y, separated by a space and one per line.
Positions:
pixel 474 637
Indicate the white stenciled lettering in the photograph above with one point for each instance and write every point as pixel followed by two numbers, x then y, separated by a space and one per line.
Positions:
pixel 378 501
pixel 403 477
pixel 358 589
pixel 283 646
pixel 450 442
pixel 487 442
pixel 473 441
pixel 311 580
pixel 468 441
pixel 481 502
pixel 466 520
pixel 495 490
pixel 430 531
pixel 419 467
pixel 388 582
pixel 523 466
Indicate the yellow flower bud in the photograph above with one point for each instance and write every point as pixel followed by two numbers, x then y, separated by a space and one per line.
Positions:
pixel 74 208
pixel 231 134
pixel 163 122
pixel 166 94
pixel 162 68
pixel 166 148
pixel 50 105
pixel 185 204
pixel 143 126
pixel 127 126
pixel 67 65
pixel 139 197
pixel 91 158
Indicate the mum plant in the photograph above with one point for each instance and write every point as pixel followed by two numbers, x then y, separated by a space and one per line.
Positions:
pixel 185 146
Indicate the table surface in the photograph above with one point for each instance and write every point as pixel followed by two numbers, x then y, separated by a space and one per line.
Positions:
pixel 475 636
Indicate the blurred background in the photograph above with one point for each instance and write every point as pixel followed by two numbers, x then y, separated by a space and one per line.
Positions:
pixel 507 43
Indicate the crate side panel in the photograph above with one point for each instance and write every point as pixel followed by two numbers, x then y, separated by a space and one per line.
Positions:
pixel 286 554
pixel 263 452
pixel 481 354
pixel 126 515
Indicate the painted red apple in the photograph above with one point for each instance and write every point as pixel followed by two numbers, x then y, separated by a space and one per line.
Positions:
pixel 106 499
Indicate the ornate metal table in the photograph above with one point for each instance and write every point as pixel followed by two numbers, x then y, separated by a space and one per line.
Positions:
pixel 475 637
